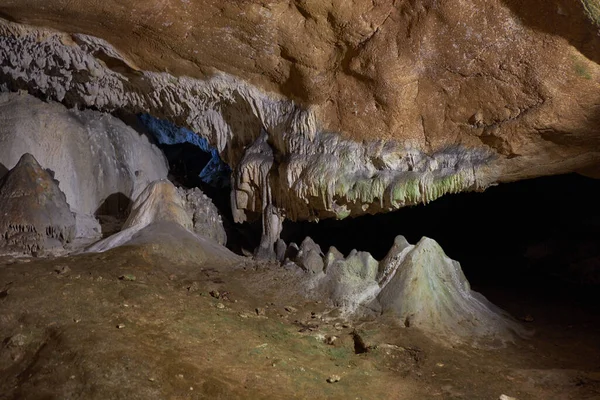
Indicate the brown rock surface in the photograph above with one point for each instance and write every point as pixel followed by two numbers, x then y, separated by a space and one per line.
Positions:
pixel 35 214
pixel 521 81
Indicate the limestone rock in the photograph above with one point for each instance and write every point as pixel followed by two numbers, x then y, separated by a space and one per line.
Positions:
pixel 99 161
pixel 429 291
pixel 205 216
pixel 390 263
pixel 34 213
pixel 159 202
pixel 159 220
pixel 356 107
pixel 280 250
pixel 310 256
pixel 332 256
pixel 292 251
pixel 350 282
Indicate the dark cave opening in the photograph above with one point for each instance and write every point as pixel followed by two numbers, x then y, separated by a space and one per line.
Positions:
pixel 538 237
pixel 194 163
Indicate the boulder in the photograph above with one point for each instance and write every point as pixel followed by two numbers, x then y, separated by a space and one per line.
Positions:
pixel 310 256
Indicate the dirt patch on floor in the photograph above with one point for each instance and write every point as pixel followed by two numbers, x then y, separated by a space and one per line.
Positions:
pixel 133 324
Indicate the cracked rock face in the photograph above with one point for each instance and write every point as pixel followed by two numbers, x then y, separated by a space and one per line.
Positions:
pixel 366 106
pixel 35 215
pixel 204 215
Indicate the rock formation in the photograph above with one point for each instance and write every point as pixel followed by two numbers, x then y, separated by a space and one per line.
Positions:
pixel 418 284
pixel 366 107
pixel 204 215
pixel 34 214
pixel 428 290
pixel 95 157
pixel 159 216
pixel 333 109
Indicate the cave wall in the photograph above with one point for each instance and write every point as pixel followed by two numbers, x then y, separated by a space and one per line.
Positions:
pixel 96 158
pixel 367 106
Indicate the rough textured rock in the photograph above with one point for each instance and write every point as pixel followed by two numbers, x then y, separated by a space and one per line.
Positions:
pixel 367 106
pixel 310 256
pixel 204 215
pixel 35 216
pixel 350 282
pixel 159 218
pixel 418 284
pixel 428 290
pixel 99 161
pixel 159 202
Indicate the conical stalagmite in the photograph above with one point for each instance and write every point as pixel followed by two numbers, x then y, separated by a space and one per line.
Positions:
pixel 35 215
pixel 429 291
pixel 159 217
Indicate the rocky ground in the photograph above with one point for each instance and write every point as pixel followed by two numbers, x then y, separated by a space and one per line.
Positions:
pixel 148 322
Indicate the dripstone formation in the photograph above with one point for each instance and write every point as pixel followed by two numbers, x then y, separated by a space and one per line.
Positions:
pixel 34 214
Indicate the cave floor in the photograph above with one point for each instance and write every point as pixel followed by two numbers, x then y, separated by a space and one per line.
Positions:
pixel 132 323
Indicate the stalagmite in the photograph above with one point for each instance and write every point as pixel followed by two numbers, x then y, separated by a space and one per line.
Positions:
pixel 429 291
pixel 35 216
pixel 159 216
pixel 418 284
pixel 272 223
pixel 96 157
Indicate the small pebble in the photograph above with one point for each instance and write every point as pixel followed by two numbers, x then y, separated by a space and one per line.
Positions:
pixel 505 397
pixel 290 309
pixel 220 306
pixel 127 277
pixel 333 378
pixel 120 326
pixel 260 311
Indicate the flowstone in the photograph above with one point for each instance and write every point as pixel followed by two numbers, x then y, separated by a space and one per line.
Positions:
pixel 159 202
pixel 100 162
pixel 429 291
pixel 420 285
pixel 35 215
pixel 159 219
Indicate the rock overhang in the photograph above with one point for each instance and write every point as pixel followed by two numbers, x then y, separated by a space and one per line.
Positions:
pixel 505 116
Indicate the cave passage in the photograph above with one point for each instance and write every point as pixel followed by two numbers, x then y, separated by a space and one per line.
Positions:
pixel 540 233
pixel 193 162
